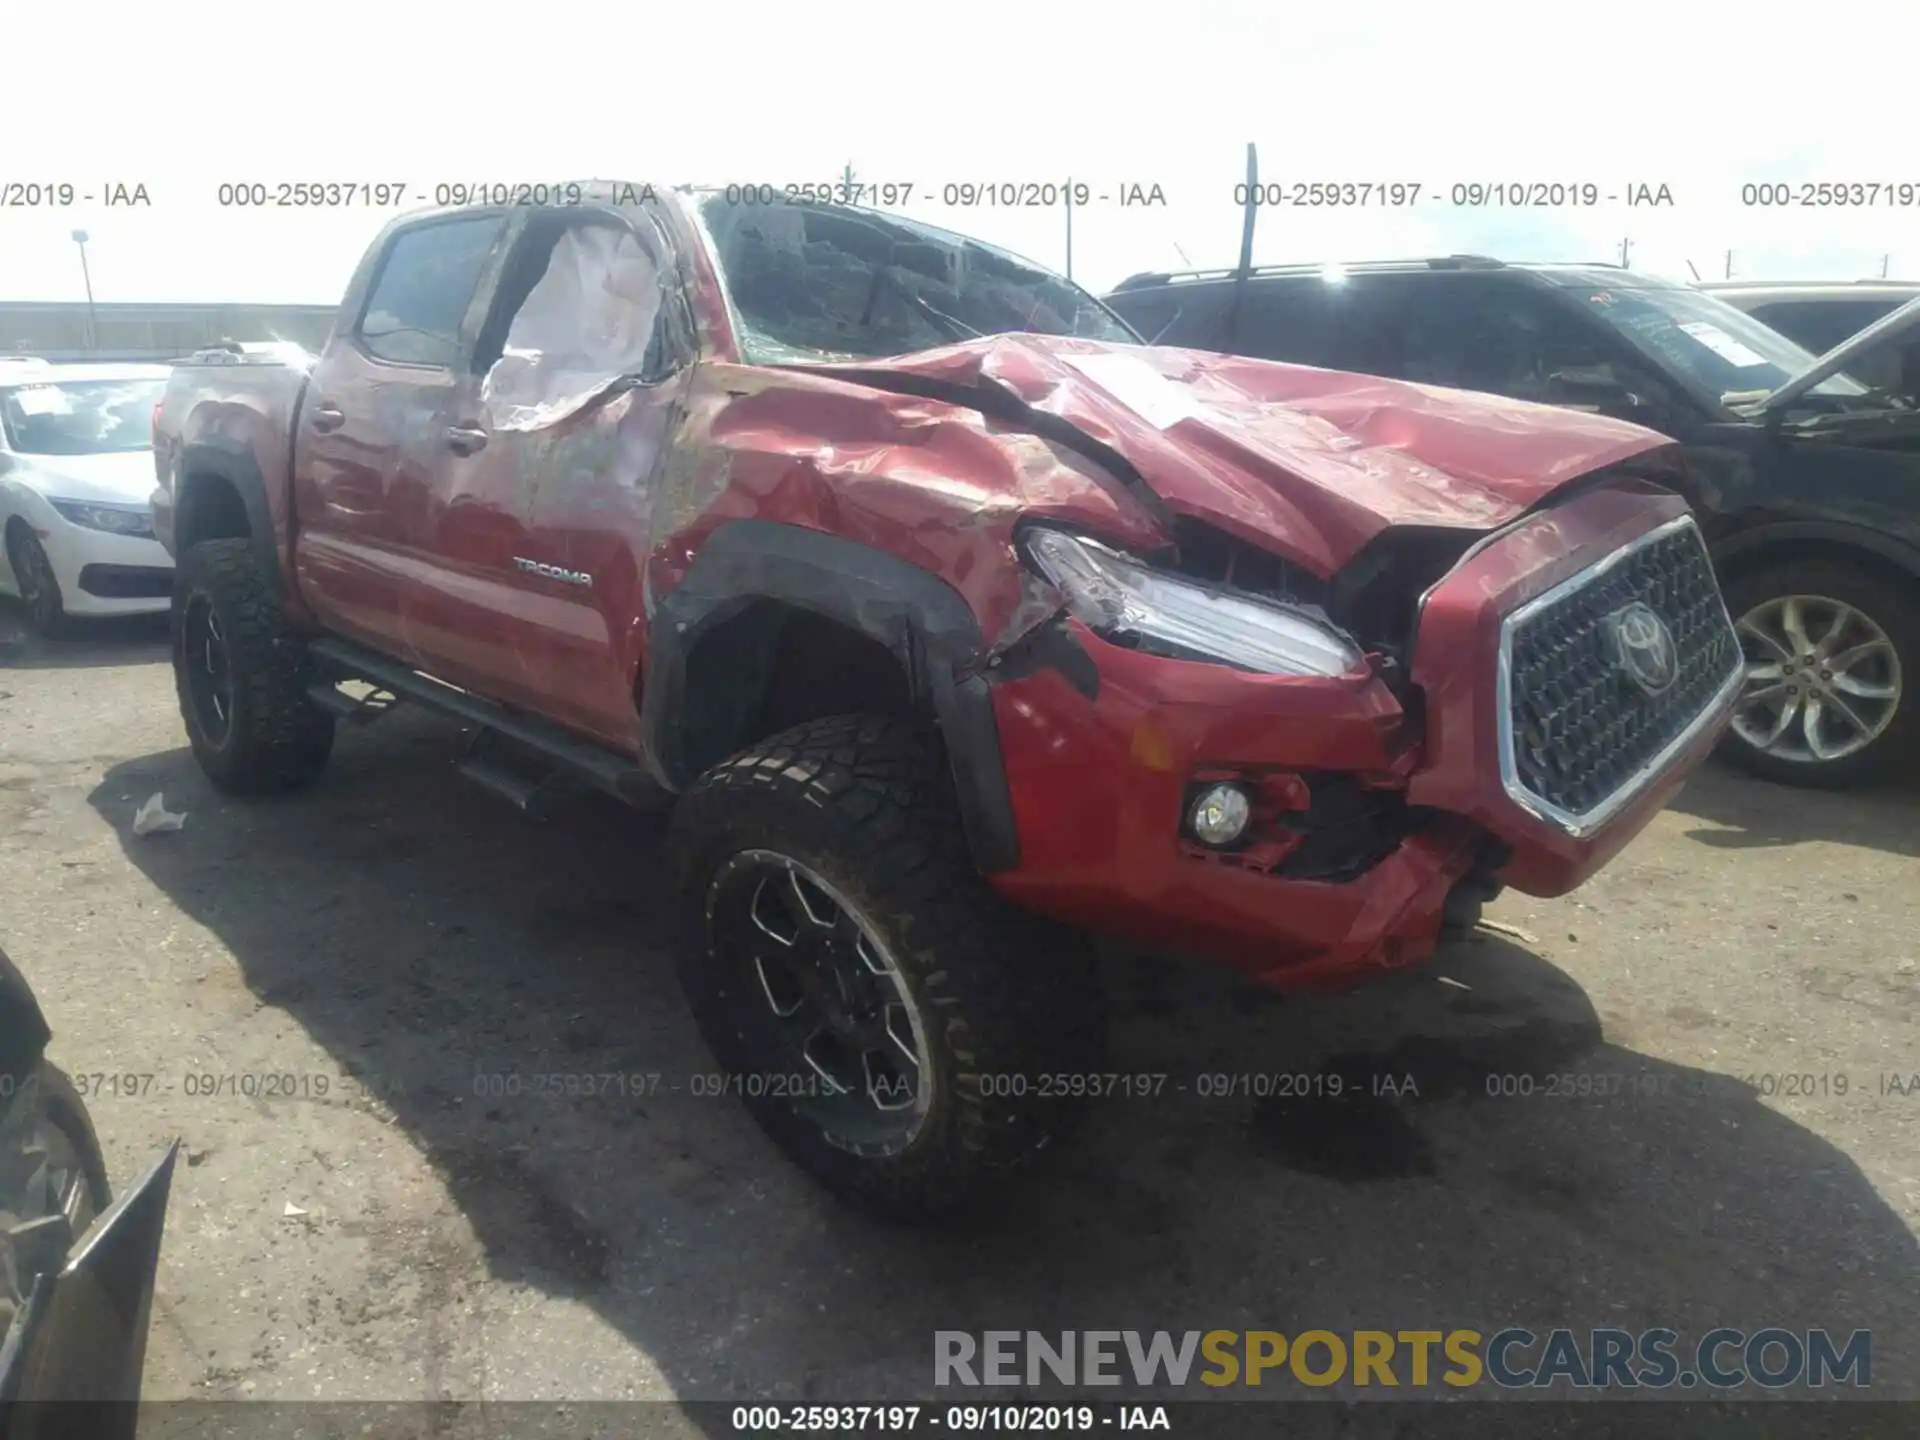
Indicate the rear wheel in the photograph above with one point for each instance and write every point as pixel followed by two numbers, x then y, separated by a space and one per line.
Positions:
pixel 1833 657
pixel 241 672
pixel 33 576
pixel 888 1019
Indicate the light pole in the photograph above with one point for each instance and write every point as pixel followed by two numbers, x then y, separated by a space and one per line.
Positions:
pixel 1069 229
pixel 93 329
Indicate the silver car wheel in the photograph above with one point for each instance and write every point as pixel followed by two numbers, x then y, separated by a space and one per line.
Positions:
pixel 1823 680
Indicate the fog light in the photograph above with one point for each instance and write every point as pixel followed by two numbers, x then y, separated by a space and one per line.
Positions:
pixel 1219 817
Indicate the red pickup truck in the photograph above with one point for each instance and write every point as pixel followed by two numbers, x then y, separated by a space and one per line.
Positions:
pixel 959 622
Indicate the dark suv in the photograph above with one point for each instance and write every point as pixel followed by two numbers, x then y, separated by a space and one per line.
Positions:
pixel 1806 481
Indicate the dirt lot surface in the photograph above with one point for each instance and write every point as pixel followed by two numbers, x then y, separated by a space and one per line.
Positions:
pixel 420 1232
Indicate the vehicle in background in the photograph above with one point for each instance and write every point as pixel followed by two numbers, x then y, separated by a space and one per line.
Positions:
pixel 1806 482
pixel 251 352
pixel 77 1268
pixel 76 471
pixel 949 614
pixel 1819 315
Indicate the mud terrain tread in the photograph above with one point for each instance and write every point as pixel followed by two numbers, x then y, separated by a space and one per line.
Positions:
pixel 867 798
pixel 279 739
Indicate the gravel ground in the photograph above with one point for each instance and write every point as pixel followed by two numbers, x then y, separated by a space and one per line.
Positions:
pixel 408 1235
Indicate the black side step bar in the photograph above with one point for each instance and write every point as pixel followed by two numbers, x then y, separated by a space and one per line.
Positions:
pixel 528 796
pixel 573 757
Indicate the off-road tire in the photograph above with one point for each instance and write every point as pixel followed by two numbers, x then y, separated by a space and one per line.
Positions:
pixel 866 802
pixel 39 588
pixel 1893 605
pixel 50 1161
pixel 277 739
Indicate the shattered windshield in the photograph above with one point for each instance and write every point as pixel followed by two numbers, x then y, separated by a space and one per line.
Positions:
pixel 1719 348
pixel 817 282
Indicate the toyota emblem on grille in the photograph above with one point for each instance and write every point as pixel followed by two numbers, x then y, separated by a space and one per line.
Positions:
pixel 1643 648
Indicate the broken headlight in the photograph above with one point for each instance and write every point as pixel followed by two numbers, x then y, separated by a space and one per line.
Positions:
pixel 1122 600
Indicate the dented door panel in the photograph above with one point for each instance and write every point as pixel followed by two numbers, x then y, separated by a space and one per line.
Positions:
pixel 465 523
pixel 584 484
pixel 365 451
pixel 537 515
pixel 357 422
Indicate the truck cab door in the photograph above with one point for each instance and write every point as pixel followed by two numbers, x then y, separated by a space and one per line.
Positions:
pixel 537 526
pixel 362 441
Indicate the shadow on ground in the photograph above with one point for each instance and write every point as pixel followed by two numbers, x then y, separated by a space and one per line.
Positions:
pixel 1748 814
pixel 425 935
pixel 132 640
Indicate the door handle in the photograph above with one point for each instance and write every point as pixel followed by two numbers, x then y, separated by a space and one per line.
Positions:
pixel 328 416
pixel 465 439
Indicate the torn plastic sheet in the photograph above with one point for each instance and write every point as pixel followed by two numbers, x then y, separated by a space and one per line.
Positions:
pixel 584 327
pixel 153 817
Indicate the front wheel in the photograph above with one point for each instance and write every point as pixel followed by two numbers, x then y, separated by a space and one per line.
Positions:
pixel 892 1024
pixel 1833 657
pixel 33 577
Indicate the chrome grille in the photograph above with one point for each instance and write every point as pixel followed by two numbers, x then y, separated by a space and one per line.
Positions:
pixel 1580 734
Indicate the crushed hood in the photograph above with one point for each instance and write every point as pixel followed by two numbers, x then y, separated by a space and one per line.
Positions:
pixel 1310 463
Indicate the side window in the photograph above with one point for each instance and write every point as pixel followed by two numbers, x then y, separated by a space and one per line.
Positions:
pixel 1305 321
pixel 1819 325
pixel 1185 315
pixel 1503 338
pixel 583 303
pixel 421 294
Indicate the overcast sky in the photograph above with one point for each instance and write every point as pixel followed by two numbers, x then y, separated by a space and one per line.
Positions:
pixel 1701 98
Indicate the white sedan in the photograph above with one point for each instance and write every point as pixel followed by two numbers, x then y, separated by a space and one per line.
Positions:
pixel 76 468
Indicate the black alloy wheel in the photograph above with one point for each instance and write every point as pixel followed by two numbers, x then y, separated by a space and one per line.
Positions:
pixel 814 979
pixel 891 1023
pixel 206 669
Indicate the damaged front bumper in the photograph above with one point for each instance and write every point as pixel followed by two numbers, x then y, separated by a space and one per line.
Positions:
pixel 1375 823
pixel 1101 783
